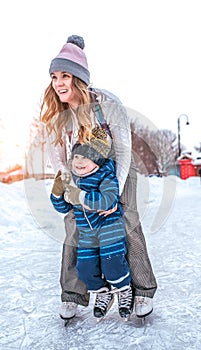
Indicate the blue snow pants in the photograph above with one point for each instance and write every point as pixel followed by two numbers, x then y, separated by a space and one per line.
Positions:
pixel 98 265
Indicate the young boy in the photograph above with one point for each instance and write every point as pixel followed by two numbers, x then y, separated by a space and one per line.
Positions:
pixel 101 262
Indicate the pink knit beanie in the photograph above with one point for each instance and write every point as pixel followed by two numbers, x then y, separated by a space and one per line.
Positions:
pixel 72 59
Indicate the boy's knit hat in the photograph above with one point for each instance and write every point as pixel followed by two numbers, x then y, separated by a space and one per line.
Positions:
pixel 97 148
pixel 72 59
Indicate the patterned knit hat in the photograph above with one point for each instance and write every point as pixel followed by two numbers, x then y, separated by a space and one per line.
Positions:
pixel 97 148
pixel 72 59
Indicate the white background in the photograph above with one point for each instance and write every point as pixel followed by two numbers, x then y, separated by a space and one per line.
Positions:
pixel 146 52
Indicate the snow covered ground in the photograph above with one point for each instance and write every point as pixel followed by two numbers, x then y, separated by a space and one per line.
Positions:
pixel 31 243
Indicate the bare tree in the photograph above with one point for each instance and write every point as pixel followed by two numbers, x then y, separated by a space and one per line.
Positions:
pixel 155 149
pixel 198 148
pixel 165 149
pixel 145 158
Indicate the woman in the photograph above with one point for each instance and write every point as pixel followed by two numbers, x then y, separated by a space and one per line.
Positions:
pixel 70 109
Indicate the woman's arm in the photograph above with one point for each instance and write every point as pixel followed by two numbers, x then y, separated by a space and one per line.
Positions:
pixel 57 154
pixel 118 122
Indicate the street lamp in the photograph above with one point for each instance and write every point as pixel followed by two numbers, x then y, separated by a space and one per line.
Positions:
pixel 178 123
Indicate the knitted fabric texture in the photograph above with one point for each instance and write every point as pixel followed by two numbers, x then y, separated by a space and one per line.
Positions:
pixel 97 148
pixel 72 59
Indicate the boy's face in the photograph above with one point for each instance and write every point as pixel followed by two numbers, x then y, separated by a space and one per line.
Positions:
pixel 82 166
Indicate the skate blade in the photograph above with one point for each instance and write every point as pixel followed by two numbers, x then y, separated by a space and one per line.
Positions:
pixel 143 320
pixel 66 320
pixel 100 319
pixel 126 319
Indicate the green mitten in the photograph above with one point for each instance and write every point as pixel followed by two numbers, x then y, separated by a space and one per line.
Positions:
pixel 72 194
pixel 58 187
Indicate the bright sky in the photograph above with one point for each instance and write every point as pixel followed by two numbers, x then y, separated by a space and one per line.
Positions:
pixel 146 52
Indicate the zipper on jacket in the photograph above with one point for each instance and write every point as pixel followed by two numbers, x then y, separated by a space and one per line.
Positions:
pixel 85 215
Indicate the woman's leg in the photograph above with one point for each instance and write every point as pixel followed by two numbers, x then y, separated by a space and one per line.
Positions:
pixel 142 274
pixel 73 289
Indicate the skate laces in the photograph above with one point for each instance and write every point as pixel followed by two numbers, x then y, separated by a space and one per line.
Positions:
pixel 125 297
pixel 140 300
pixel 102 300
pixel 69 305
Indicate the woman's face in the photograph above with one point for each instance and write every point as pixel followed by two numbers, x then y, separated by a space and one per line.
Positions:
pixel 62 83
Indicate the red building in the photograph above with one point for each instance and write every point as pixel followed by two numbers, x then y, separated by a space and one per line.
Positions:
pixel 189 166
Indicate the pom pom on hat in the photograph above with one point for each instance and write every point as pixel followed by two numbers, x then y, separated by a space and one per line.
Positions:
pixel 72 59
pixel 97 148
pixel 76 40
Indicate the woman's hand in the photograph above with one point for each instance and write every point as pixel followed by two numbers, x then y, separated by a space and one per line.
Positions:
pixel 108 212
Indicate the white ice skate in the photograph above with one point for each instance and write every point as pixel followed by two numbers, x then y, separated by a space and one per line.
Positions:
pixel 68 310
pixel 143 306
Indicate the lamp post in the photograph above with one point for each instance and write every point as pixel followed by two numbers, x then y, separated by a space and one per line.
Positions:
pixel 178 124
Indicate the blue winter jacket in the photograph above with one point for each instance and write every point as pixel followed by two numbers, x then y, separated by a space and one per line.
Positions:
pixel 102 194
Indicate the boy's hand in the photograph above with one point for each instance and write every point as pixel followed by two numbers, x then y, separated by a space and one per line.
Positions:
pixel 66 178
pixel 58 187
pixel 108 212
pixel 72 194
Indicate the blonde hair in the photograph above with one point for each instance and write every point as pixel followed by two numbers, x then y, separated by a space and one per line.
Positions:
pixel 57 115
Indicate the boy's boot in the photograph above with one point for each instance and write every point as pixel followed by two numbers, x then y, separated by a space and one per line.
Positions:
pixel 103 302
pixel 125 301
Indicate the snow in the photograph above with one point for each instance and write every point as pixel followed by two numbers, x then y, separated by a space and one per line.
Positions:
pixel 31 244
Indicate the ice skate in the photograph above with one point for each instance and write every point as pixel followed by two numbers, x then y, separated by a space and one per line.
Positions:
pixel 143 306
pixel 103 302
pixel 68 310
pixel 125 302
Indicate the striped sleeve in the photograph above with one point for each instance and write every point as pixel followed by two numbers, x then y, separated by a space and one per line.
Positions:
pixel 60 204
pixel 105 197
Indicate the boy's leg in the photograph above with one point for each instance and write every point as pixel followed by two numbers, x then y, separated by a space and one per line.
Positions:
pixel 115 268
pixel 114 265
pixel 88 267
